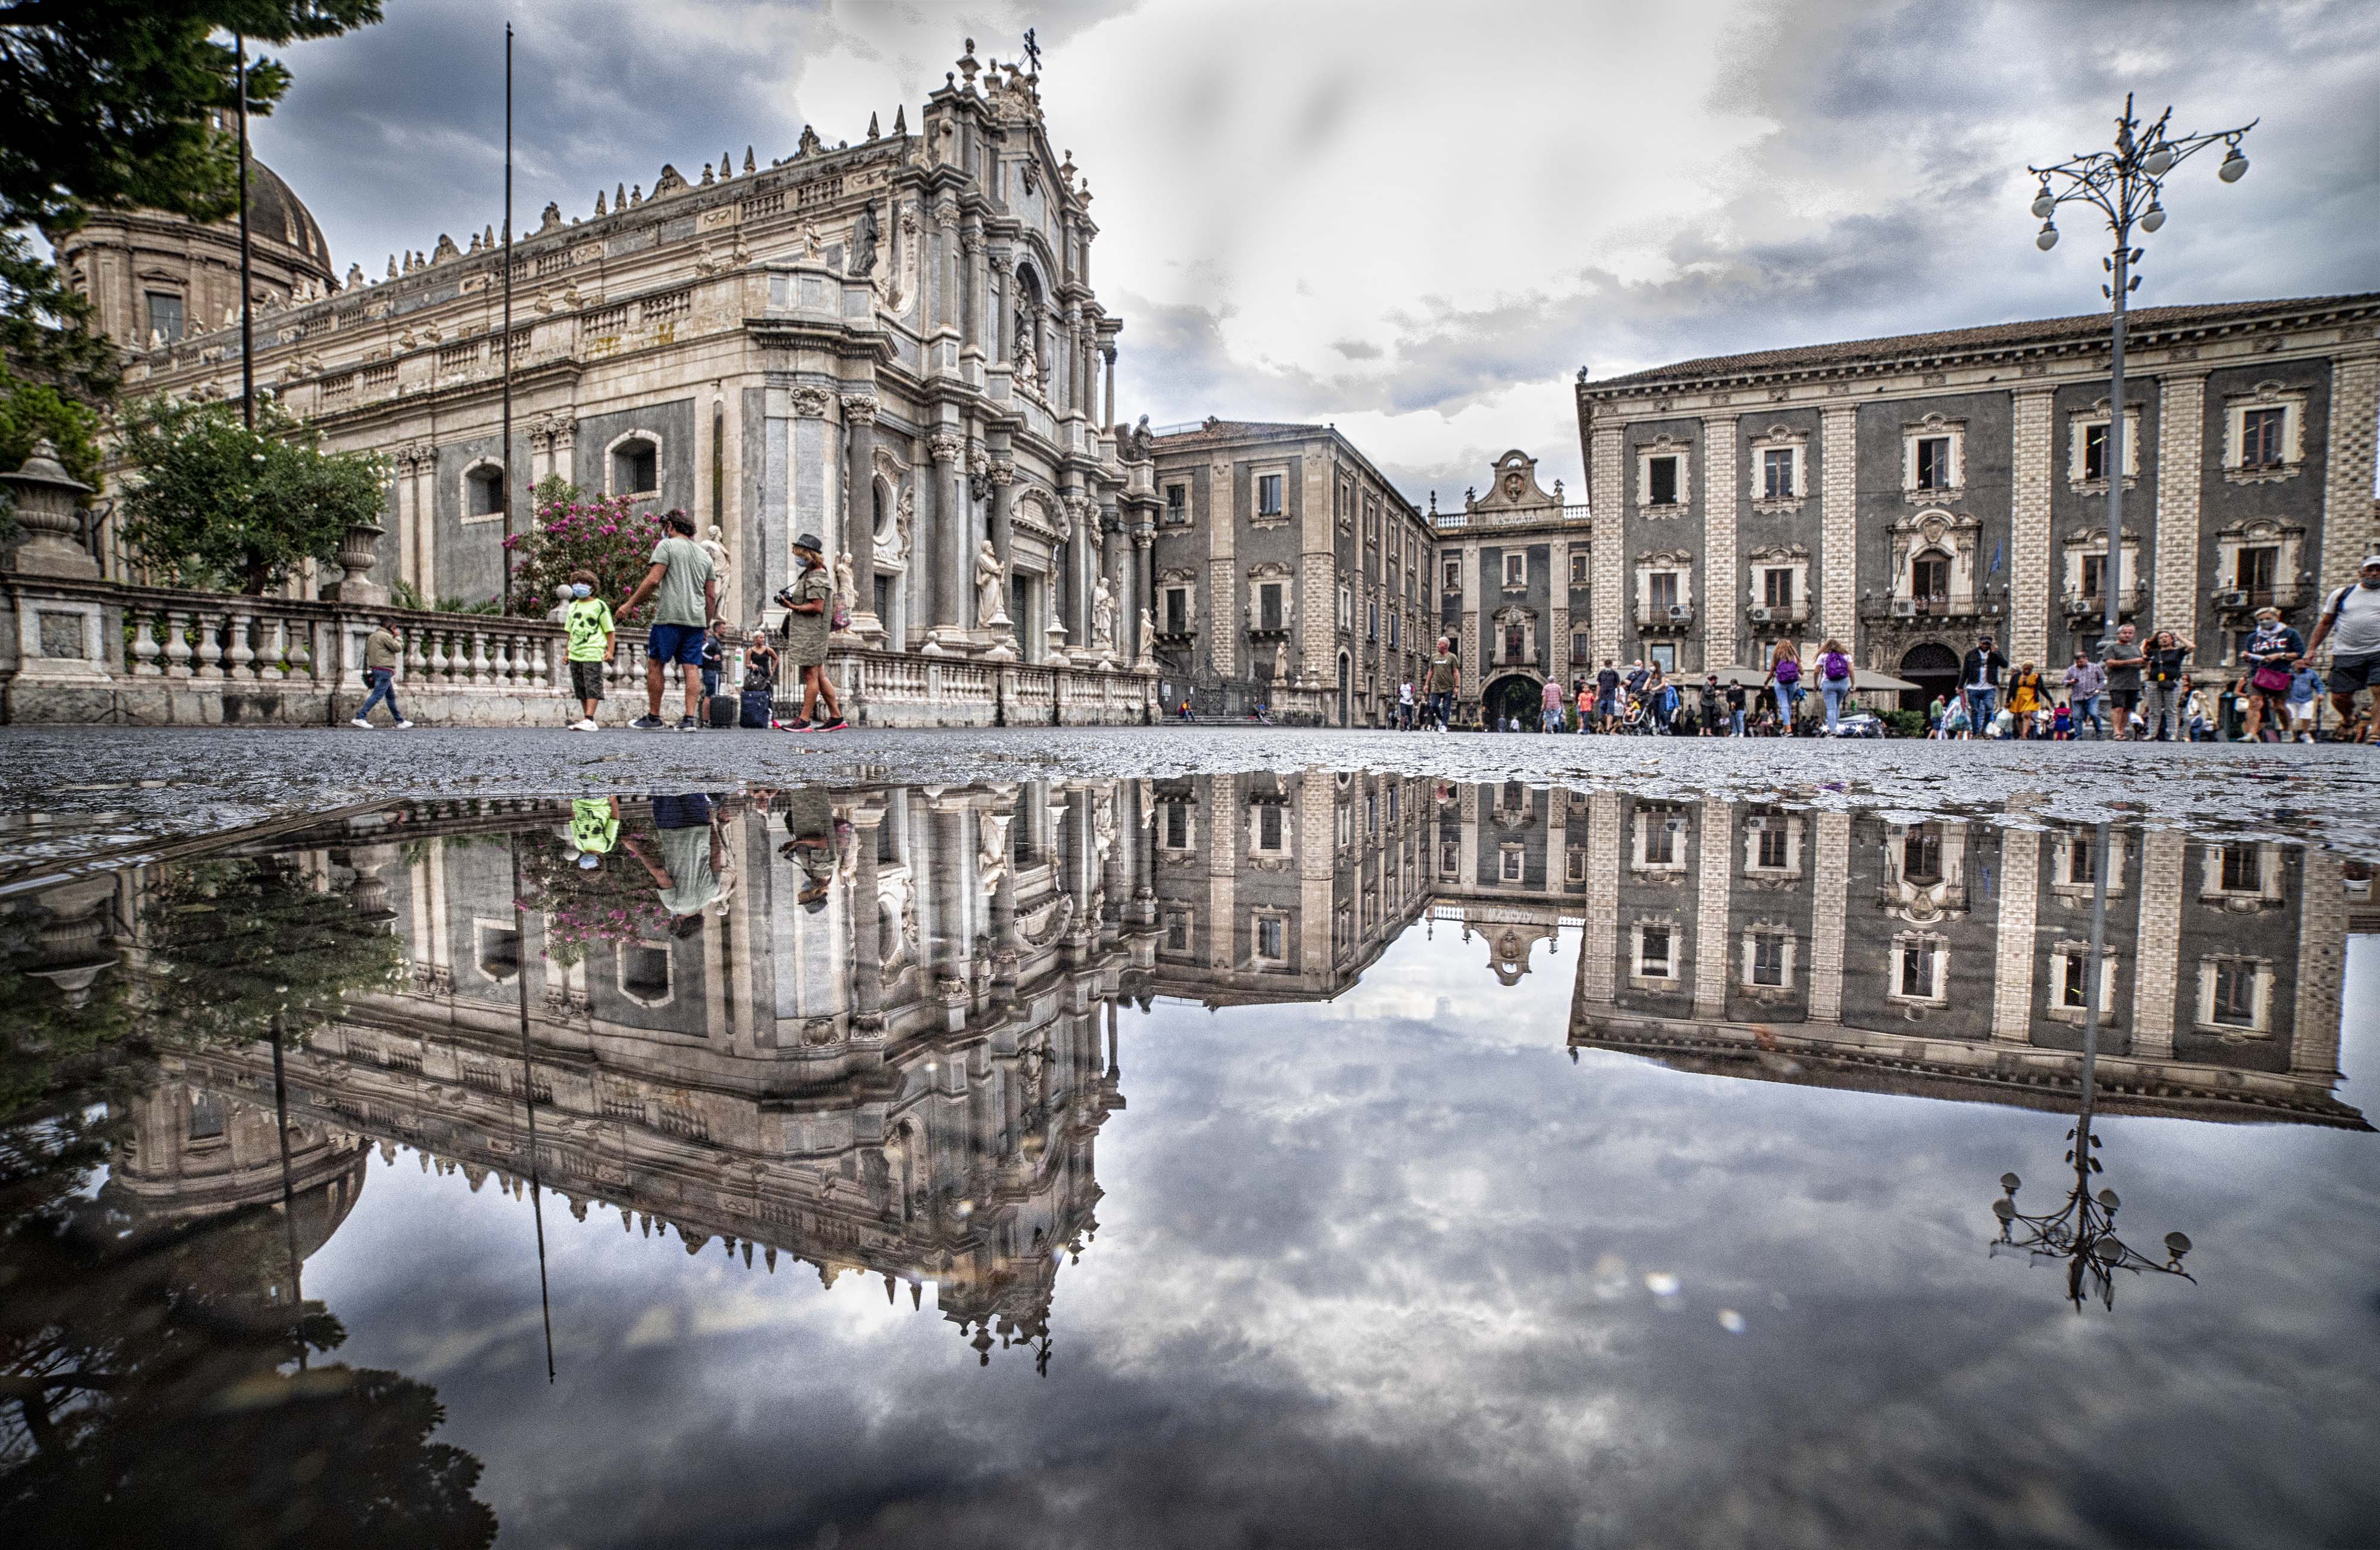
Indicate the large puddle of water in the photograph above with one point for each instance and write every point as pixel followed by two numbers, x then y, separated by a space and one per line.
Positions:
pixel 1310 1159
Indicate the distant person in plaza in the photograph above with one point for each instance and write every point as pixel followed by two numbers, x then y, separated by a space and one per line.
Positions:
pixel 757 706
pixel 2024 697
pixel 2270 655
pixel 2161 682
pixel 686 590
pixel 1784 677
pixel 382 652
pixel 594 829
pixel 690 870
pixel 1445 680
pixel 1834 681
pixel 809 620
pixel 1607 694
pixel 1735 703
pixel 1979 682
pixel 809 820
pixel 2351 624
pixel 2086 681
pixel 1406 705
pixel 1550 705
pixel 2123 659
pixel 593 637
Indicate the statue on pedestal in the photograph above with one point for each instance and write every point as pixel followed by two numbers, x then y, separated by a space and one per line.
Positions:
pixel 844 586
pixel 991 577
pixel 1103 616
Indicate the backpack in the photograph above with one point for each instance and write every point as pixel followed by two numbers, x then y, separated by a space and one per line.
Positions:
pixel 1789 672
pixel 1836 666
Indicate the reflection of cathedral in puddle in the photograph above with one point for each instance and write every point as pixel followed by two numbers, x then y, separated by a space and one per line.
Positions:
pixel 907 1080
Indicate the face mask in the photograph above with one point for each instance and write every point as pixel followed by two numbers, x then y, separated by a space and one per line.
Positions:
pixel 581 590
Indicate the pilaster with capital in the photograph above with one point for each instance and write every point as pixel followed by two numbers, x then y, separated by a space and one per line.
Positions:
pixel 1722 599
pixel 1838 527
pixel 2347 505
pixel 946 521
pixel 1830 912
pixel 1608 560
pixel 858 536
pixel 2031 454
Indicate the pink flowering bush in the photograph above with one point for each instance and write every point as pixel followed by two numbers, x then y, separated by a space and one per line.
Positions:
pixel 610 905
pixel 605 534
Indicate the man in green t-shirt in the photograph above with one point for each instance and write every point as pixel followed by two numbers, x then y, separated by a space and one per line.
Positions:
pixel 592 640
pixel 594 828
pixel 686 605
pixel 1445 678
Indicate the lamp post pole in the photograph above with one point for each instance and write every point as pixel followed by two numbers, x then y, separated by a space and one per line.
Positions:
pixel 2124 184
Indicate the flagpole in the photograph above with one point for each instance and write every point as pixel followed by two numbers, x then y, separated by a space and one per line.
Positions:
pixel 508 317
pixel 246 333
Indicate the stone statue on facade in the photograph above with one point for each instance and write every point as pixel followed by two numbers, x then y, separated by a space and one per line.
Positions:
pixel 845 585
pixel 1281 661
pixel 1103 616
pixel 1138 446
pixel 990 575
pixel 711 546
pixel 864 234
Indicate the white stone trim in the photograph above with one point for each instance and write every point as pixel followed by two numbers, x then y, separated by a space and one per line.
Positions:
pixel 1640 975
pixel 660 466
pixel 1933 427
pixel 1754 826
pixel 2260 1016
pixel 463 490
pixel 1752 935
pixel 2291 402
pixel 1796 445
pixel 2061 957
pixel 669 969
pixel 2078 422
pixel 1257 474
pixel 1938 990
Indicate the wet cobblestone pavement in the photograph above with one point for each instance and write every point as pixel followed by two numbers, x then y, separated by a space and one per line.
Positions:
pixel 66 791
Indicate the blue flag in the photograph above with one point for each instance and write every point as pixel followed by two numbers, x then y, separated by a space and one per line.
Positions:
pixel 1996 561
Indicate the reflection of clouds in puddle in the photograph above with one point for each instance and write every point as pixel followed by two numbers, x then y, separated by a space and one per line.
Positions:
pixel 658 1326
pixel 1730 1321
pixel 1662 1283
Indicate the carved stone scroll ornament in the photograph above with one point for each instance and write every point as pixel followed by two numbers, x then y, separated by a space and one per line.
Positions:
pixel 811 403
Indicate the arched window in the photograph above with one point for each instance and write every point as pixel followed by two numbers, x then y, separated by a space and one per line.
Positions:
pixel 636 467
pixel 1929 576
pixel 881 498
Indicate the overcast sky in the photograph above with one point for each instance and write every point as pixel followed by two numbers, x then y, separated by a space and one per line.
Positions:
pixel 1419 221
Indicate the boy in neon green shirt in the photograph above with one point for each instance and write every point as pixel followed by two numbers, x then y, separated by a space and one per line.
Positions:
pixel 594 828
pixel 592 637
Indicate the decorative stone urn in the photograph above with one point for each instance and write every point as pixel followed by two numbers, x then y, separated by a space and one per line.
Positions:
pixel 45 496
pixel 356 557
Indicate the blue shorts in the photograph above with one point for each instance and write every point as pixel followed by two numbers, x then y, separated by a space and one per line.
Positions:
pixel 676 642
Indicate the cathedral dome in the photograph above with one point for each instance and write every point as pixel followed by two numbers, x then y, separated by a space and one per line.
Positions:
pixel 275 214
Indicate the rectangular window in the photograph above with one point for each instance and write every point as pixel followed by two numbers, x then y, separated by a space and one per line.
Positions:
pixel 1934 462
pixel 1268 606
pixel 2260 438
pixel 1177 611
pixel 1516 570
pixel 1661 481
pixel 2257 565
pixel 1269 827
pixel 206 1117
pixel 2073 992
pixel 1768 959
pixel 1177 825
pixel 1268 495
pixel 1664 656
pixel 1177 930
pixel 1177 503
pixel 1453 576
pixel 2081 861
pixel 1575 863
pixel 164 314
pixel 2244 870
pixel 1582 646
pixel 2094 567
pixel 2094 452
pixel 1661 841
pixel 1917 970
pixel 1393 630
pixel 1578 572
pixel 1509 864
pixel 1777 587
pixel 1346 609
pixel 1773 849
pixel 1271 935
pixel 2235 992
pixel 1653 952
pixel 1662 586
pixel 1449 858
pixel 1776 474
pixel 1929 579
pixel 1921 856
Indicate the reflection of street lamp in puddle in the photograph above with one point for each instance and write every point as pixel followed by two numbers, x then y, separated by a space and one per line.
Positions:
pixel 2082 1231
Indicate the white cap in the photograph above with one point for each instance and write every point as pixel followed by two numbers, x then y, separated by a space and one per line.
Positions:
pixel 2369 561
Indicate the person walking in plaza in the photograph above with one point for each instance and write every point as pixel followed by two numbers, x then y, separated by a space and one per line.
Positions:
pixel 2305 703
pixel 2161 680
pixel 2123 658
pixel 1834 681
pixel 2351 624
pixel 1445 678
pixel 382 652
pixel 1607 694
pixel 2024 697
pixel 757 700
pixel 2086 681
pixel 593 637
pixel 685 592
pixel 713 663
pixel 1979 683
pixel 1784 677
pixel 1735 699
pixel 1550 706
pixel 2197 716
pixel 1406 705
pixel 1587 718
pixel 809 620
pixel 2271 657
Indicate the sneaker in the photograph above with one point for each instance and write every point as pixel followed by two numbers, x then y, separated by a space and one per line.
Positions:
pixel 402 727
pixel 796 724
pixel 688 724
pixel 585 724
pixel 359 721
pixel 649 723
pixel 837 725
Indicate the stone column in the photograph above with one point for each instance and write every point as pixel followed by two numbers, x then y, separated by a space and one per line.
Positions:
pixel 1830 863
pixel 940 546
pixel 1467 859
pixel 2031 460
pixel 1722 605
pixel 950 878
pixel 1108 356
pixel 1839 527
pixel 1223 837
pixel 2014 950
pixel 1610 590
pixel 1714 844
pixel 996 308
pixel 2181 446
pixel 2322 935
pixel 867 919
pixel 2346 509
pixel 2157 979
pixel 971 291
pixel 1558 666
pixel 1224 619
pixel 856 541
pixel 1113 547
pixel 1002 474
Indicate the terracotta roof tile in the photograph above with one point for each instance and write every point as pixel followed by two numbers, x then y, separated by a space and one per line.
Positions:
pixel 1237 430
pixel 1998 336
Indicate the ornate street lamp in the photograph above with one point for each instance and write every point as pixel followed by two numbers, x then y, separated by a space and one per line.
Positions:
pixel 2124 185
pixel 2082 1231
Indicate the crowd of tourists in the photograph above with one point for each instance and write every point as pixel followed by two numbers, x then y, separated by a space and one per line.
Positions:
pixel 2134 688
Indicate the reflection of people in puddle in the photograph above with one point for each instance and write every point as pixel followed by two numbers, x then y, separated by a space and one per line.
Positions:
pixel 693 865
pixel 594 829
pixel 810 818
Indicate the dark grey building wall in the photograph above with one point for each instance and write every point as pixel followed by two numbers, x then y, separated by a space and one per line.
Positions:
pixel 2072 511
pixel 1667 534
pixel 1989 496
pixel 2295 501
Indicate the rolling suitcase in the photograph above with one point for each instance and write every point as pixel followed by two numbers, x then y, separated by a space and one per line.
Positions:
pixel 723 709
